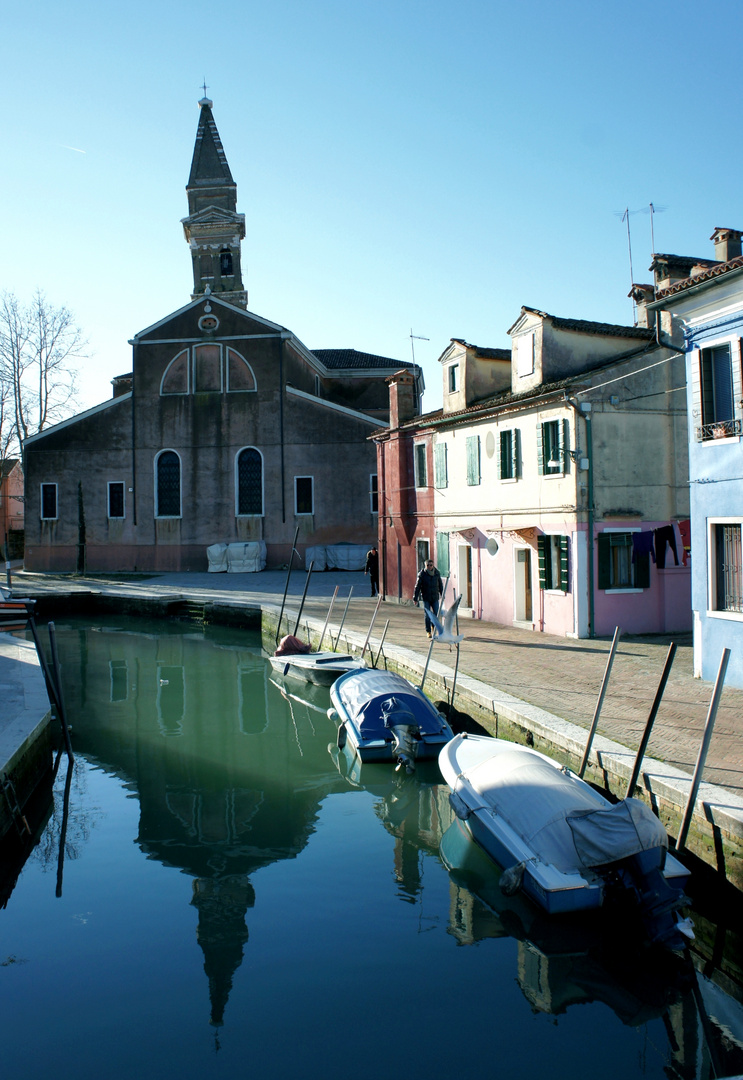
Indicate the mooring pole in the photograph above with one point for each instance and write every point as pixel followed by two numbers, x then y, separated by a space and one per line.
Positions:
pixel 381 643
pixel 651 720
pixel 600 702
pixel 286 587
pixel 7 570
pixel 371 624
pixel 345 612
pixel 60 698
pixel 304 595
pixel 454 684
pixel 428 661
pixel 706 738
pixel 327 618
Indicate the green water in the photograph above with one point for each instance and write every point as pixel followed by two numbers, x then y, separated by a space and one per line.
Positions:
pixel 238 901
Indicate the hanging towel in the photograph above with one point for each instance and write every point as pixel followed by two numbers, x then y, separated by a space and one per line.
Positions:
pixel 642 544
pixel 685 530
pixel 663 536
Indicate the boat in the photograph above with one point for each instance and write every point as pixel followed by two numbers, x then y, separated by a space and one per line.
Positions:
pixel 386 718
pixel 14 612
pixel 560 840
pixel 321 668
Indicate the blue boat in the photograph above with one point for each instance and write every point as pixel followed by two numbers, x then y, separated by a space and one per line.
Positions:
pixel 383 717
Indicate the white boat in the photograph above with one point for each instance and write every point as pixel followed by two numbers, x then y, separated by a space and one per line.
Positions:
pixel 321 668
pixel 569 848
pixel 14 612
pixel 386 718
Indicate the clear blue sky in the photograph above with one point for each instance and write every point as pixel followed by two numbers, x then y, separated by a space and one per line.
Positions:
pixel 401 165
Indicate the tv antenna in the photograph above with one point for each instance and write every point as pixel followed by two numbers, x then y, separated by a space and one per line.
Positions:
pixel 413 339
pixel 625 215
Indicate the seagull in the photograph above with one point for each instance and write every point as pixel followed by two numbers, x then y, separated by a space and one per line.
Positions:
pixel 444 623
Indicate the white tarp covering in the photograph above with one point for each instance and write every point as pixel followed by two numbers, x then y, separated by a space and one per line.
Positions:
pixel 336 557
pixel 317 556
pixel 217 556
pixel 247 558
pixel 603 836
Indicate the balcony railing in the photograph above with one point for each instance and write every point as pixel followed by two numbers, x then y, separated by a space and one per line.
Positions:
pixel 720 429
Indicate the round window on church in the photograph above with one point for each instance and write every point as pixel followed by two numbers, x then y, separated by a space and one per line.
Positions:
pixel 208 323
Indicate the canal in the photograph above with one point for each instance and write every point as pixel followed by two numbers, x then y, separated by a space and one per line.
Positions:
pixel 217 892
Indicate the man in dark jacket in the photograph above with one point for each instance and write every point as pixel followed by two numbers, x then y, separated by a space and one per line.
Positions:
pixel 372 568
pixel 429 588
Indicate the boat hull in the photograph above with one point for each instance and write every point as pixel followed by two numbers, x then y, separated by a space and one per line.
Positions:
pixel 321 669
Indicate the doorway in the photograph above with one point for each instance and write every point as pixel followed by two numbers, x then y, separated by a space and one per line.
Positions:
pixel 465 575
pixel 522 585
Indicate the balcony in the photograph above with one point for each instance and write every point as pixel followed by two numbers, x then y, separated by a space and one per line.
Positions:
pixel 720 429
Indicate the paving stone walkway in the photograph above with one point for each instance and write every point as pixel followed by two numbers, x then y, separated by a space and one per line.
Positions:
pixel 559 675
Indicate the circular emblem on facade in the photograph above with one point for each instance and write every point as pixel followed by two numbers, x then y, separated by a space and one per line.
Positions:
pixel 208 323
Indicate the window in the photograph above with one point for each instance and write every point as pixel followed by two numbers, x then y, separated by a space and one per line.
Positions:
pixel 207 368
pixel 240 377
pixel 717 398
pixel 168 484
pixel 509 454
pixel 116 499
pixel 442 553
pixel 48 502
pixel 304 495
pixel 421 470
pixel 453 378
pixel 249 482
pixel 525 355
pixel 374 493
pixel 727 568
pixel 473 460
pixel 553 440
pixel 553 562
pixel 225 264
pixel 616 567
pixel 440 468
pixel 422 548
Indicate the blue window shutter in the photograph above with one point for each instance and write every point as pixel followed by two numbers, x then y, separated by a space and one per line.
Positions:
pixel 442 553
pixel 473 460
pixel 441 478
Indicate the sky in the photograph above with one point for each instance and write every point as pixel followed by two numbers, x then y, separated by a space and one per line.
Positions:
pixel 404 167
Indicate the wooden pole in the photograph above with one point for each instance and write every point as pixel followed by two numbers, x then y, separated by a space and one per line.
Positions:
pixel 703 749
pixel 286 587
pixel 327 618
pixel 304 596
pixel 381 644
pixel 348 601
pixel 651 720
pixel 371 624
pixel 58 682
pixel 600 702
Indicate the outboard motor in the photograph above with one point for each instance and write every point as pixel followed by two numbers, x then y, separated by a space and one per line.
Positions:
pixel 404 727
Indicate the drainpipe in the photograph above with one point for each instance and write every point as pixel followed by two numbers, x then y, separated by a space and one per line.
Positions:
pixel 584 411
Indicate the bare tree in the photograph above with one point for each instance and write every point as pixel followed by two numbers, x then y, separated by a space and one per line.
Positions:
pixel 39 347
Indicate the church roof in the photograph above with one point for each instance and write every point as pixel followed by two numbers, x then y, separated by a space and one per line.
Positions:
pixel 209 164
pixel 351 358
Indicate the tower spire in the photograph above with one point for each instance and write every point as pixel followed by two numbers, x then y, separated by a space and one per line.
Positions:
pixel 213 227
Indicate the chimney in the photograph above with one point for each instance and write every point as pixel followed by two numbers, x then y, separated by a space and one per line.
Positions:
pixel 402 397
pixel 727 244
pixel 644 295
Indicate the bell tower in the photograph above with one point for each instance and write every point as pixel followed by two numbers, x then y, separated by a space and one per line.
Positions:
pixel 213 227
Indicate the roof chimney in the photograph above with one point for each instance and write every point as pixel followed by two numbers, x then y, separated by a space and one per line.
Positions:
pixel 402 397
pixel 642 296
pixel 727 243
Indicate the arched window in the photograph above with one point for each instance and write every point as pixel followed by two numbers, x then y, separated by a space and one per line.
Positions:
pixel 249 482
pixel 240 375
pixel 168 484
pixel 225 263
pixel 175 379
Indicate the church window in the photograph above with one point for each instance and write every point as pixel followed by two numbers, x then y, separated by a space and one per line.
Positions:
pixel 168 484
pixel 48 502
pixel 249 482
pixel 225 264
pixel 207 368
pixel 116 499
pixel 304 495
pixel 240 377
pixel 207 266
pixel 175 379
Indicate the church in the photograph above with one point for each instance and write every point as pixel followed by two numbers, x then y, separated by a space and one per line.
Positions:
pixel 227 430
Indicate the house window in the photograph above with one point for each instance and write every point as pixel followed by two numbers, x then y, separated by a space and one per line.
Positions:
pixel 304 495
pixel 617 570
pixel 525 355
pixel 421 469
pixel 225 264
pixel 717 399
pixel 473 460
pixel 727 579
pixel 442 553
pixel 249 482
pixel 508 461
pixel 168 484
pixel 422 548
pixel 453 378
pixel 440 467
pixel 374 493
pixel 116 499
pixel 552 447
pixel 48 502
pixel 553 562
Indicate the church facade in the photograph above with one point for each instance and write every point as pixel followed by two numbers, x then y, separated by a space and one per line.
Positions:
pixel 228 428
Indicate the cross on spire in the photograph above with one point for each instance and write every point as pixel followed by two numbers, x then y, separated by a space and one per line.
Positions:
pixel 204 87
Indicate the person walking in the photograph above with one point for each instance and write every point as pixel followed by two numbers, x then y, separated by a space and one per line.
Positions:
pixel 372 568
pixel 429 588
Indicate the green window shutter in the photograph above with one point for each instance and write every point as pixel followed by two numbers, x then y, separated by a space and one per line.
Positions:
pixel 540 448
pixel 441 478
pixel 565 446
pixel 473 460
pixel 542 557
pixel 516 452
pixel 642 571
pixel 563 563
pixel 604 542
pixel 442 553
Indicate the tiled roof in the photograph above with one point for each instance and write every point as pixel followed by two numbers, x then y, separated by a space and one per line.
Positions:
pixel 350 358
pixel 7 465
pixel 585 326
pixel 714 271
pixel 485 353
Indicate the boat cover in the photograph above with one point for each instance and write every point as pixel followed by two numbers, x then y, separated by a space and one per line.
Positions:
pixel 561 818
pixel 365 696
